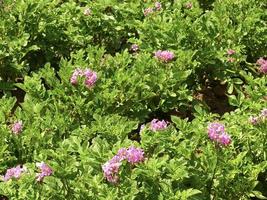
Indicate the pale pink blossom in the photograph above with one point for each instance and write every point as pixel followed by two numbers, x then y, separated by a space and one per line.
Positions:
pixel 156 125
pixel 17 127
pixel 158 6
pixel 148 11
pixel 14 172
pixel 87 12
pixel 164 56
pixel 45 171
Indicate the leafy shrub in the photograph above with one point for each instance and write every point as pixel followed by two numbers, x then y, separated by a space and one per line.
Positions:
pixel 89 93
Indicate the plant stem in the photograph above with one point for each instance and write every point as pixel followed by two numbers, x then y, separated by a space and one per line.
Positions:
pixel 213 175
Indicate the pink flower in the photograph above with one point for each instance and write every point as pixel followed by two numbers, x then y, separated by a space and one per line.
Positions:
pixel 122 154
pixel 148 11
pixel 17 127
pixel 263 68
pixel 189 5
pixel 156 125
pixel 225 139
pixel 111 170
pixel 164 56
pixel 45 171
pixel 264 112
pixel 135 155
pixel 134 47
pixel 90 78
pixel 263 65
pixel 142 128
pixel 158 6
pixel 87 12
pixel 231 59
pixel 254 120
pixel 14 172
pixel 261 61
pixel 230 51
pixel 111 167
pixel 216 132
pixel 74 77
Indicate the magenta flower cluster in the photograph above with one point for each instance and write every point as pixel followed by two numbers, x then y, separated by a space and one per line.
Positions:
pixel 14 172
pixel 263 65
pixel 17 127
pixel 45 171
pixel 260 118
pixel 164 56
pixel 157 7
pixel 156 125
pixel 216 132
pixel 89 75
pixel 111 168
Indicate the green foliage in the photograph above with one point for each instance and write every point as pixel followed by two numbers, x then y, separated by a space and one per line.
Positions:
pixel 76 129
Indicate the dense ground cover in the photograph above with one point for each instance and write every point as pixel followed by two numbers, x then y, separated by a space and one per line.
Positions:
pixel 112 99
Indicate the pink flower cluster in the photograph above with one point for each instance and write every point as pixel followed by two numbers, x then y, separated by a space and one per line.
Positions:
pixel 150 10
pixel 14 172
pixel 189 5
pixel 158 6
pixel 17 127
pixel 231 52
pixel 258 119
pixel 134 47
pixel 263 65
pixel 45 171
pixel 111 168
pixel 87 12
pixel 217 133
pixel 164 56
pixel 90 77
pixel 156 125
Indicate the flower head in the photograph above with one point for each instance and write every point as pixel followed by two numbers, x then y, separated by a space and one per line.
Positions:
pixel 87 12
pixel 230 51
pixel 111 167
pixel 164 56
pixel 158 6
pixel 216 132
pixel 45 171
pixel 135 155
pixel 14 172
pixel 225 139
pixel 231 59
pixel 148 11
pixel 264 113
pixel 74 77
pixel 254 120
pixel 90 78
pixel 263 65
pixel 122 154
pixel 189 5
pixel 17 127
pixel 134 47
pixel 156 125
pixel 111 170
pixel 142 128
